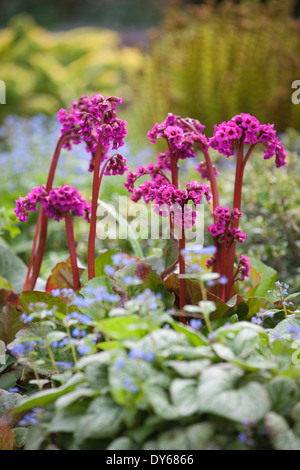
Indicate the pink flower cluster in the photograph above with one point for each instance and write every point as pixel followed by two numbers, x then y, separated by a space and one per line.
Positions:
pixel 202 168
pixel 116 165
pixel 243 269
pixel 58 203
pixel 181 135
pixel 247 127
pixel 29 202
pixel 91 119
pixel 222 229
pixel 161 190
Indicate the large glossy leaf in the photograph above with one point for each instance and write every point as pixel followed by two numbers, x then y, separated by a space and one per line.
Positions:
pixel 281 435
pixel 7 438
pixel 193 437
pixel 102 260
pixel 267 279
pixel 103 419
pixel 219 394
pixel 50 395
pixel 12 268
pixel 61 277
pixel 10 322
pixel 284 394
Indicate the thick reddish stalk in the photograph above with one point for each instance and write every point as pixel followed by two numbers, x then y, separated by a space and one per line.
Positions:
pixel 69 221
pixel 237 200
pixel 42 225
pixel 212 179
pixel 182 283
pixel 93 224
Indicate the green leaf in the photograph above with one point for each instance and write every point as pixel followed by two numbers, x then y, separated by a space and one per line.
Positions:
pixel 12 268
pixel 10 322
pixel 103 419
pixel 282 437
pixel 193 437
pixel 20 435
pixel 218 394
pixel 284 394
pixel 96 375
pixel 268 277
pixel 4 284
pixel 28 297
pixel 160 341
pixel 183 394
pixel 120 328
pixel 282 329
pixel 47 396
pixel 121 443
pixel 67 419
pixel 134 372
pixel 195 337
pixel 159 402
pixel 102 260
pixel 188 369
pixel 8 401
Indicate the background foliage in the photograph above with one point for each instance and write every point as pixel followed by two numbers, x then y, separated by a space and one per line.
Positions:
pixel 216 60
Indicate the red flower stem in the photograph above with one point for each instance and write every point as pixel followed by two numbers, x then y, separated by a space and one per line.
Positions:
pixel 182 283
pixel 41 226
pixel 212 178
pixel 93 224
pixel 237 199
pixel 69 221
pixel 38 223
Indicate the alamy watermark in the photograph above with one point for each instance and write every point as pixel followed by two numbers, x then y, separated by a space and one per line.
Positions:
pixel 2 92
pixel 2 352
pixel 296 95
pixel 150 222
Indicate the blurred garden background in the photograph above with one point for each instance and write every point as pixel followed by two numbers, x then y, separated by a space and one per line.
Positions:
pixel 207 60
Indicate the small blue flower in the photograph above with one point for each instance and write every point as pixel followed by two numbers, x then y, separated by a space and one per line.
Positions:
pixel 109 270
pixel 134 389
pixel 150 356
pixel 223 280
pixel 127 384
pixel 243 437
pixel 62 365
pixel 136 354
pixel 56 292
pixel 82 349
pixel 119 363
pixel 195 324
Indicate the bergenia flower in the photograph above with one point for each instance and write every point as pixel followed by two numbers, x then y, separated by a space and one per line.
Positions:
pixel 61 201
pixel 243 269
pixel 116 165
pixel 202 168
pixel 181 135
pixel 247 128
pixel 93 119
